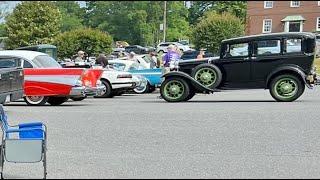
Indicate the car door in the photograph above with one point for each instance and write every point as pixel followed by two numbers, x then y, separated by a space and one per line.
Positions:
pixel 235 65
pixel 267 55
pixel 13 75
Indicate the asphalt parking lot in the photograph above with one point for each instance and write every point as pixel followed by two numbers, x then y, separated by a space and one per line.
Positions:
pixel 234 134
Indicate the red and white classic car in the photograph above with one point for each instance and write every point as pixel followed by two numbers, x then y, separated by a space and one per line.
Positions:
pixel 46 81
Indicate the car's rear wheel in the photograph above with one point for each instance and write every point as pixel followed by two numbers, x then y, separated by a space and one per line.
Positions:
pixel 107 93
pixel 208 75
pixel 286 88
pixel 174 89
pixel 36 100
pixel 56 101
pixel 144 88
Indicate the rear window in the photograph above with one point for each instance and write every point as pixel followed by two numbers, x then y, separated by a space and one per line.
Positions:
pixel 45 61
pixel 293 45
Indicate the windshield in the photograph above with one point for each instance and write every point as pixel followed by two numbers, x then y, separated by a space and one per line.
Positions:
pixel 136 66
pixel 45 61
pixel 118 66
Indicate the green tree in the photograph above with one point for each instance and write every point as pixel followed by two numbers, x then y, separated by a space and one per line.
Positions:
pixel 237 8
pixel 32 22
pixel 92 41
pixel 72 15
pixel 213 28
pixel 138 22
pixel 3 32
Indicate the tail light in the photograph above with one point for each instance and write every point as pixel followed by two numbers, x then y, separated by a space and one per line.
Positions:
pixel 91 76
pixel 124 76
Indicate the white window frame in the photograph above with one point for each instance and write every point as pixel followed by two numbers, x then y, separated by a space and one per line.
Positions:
pixel 265 4
pixel 294 5
pixel 318 3
pixel 318 24
pixel 263 26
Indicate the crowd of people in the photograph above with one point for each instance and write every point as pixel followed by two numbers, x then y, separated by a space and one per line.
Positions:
pixel 157 61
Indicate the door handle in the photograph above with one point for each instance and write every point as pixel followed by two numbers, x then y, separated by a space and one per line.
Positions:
pixel 253 57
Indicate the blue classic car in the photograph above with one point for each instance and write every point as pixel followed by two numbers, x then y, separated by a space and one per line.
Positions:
pixel 153 76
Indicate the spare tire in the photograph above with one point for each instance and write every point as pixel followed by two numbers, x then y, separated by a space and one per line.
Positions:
pixel 208 75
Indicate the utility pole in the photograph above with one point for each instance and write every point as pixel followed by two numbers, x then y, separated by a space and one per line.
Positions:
pixel 164 21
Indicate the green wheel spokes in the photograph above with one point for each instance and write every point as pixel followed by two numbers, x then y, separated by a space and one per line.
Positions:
pixel 206 76
pixel 286 88
pixel 174 89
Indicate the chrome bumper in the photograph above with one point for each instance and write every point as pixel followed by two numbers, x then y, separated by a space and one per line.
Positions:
pixel 95 91
pixel 78 91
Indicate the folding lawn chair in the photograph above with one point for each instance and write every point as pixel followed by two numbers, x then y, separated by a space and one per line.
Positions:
pixel 23 143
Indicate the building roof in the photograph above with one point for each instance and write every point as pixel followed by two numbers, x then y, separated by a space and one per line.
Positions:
pixel 294 18
pixel 29 55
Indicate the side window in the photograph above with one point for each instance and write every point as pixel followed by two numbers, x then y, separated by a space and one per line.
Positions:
pixel 236 50
pixel 26 64
pixel 293 46
pixel 9 62
pixel 268 47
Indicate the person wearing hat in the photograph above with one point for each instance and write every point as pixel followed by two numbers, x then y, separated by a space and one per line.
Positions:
pixel 80 57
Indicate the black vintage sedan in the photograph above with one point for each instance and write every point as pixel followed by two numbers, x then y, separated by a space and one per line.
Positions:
pixel 11 79
pixel 280 62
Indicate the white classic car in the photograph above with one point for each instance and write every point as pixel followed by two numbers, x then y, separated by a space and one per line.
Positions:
pixel 118 82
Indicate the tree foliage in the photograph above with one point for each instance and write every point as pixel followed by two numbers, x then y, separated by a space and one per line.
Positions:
pixel 32 22
pixel 237 8
pixel 213 28
pixel 91 41
pixel 72 15
pixel 138 22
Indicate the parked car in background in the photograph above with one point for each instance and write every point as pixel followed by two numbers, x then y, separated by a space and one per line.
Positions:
pixel 153 76
pixel 136 49
pixel 46 81
pixel 163 47
pixel 11 79
pixel 49 49
pixel 116 82
pixel 280 62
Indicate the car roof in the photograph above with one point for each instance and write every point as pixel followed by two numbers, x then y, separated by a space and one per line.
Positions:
pixel 270 36
pixel 30 55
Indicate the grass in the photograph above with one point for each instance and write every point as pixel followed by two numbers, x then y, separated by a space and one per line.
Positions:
pixel 317 64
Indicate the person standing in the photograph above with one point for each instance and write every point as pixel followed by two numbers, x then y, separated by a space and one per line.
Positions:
pixel 154 59
pixel 170 57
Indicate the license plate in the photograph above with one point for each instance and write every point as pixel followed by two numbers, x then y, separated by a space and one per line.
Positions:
pixel 8 98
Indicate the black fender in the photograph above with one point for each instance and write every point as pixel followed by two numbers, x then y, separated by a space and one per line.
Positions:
pixel 198 86
pixel 287 68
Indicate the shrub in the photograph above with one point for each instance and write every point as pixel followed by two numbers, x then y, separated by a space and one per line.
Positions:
pixel 213 28
pixel 89 40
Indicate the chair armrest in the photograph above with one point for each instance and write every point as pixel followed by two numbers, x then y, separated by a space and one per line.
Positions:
pixel 28 133
pixel 32 124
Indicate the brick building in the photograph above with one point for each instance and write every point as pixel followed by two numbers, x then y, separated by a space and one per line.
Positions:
pixel 282 16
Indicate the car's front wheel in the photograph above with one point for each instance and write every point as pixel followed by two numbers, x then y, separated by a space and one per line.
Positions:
pixel 107 93
pixel 36 100
pixel 174 89
pixel 286 88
